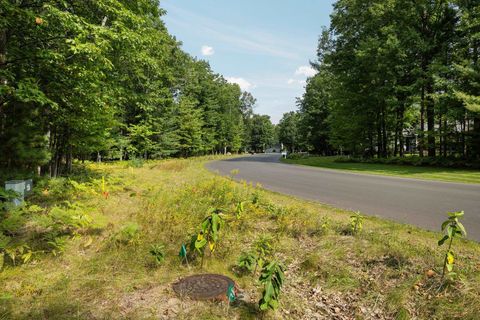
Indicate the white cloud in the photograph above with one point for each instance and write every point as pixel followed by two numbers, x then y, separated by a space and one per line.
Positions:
pixel 208 51
pixel 306 71
pixel 244 84
pixel 293 81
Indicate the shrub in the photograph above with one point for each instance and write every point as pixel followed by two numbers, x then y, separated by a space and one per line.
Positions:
pixel 272 277
pixel 136 163
pixel 158 253
pixel 129 234
pixel 356 223
pixel 255 258
pixel 248 261
pixel 298 156
pixel 209 232
pixel 444 162
pixel 453 229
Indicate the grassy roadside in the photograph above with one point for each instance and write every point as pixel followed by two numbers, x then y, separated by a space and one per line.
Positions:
pixel 428 173
pixel 105 273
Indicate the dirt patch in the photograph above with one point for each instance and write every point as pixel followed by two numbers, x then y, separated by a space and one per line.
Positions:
pixel 158 301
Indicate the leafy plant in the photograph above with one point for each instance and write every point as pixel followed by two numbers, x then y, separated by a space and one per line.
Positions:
pixel 209 232
pixel 158 253
pixel 6 197
pixel 129 234
pixel 356 223
pixel 21 251
pixel 256 197
pixel 248 261
pixel 453 229
pixel 58 245
pixel 240 209
pixel 325 223
pixel 69 216
pixel 272 277
pixel 12 221
pixel 254 259
pixel 81 188
pixel 263 248
pixel 136 163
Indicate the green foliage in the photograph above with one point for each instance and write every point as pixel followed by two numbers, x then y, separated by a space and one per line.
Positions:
pixel 272 277
pixel 393 77
pixel 30 226
pixel 19 251
pixel 240 209
pixel 209 232
pixel 261 249
pixel 297 156
pixel 68 219
pixel 158 253
pixel 256 196
pixel 67 93
pixel 57 245
pixel 12 221
pixel 356 223
pixel 262 133
pixel 453 228
pixel 444 162
pixel 136 163
pixel 6 197
pixel 128 235
pixel 248 261
pixel 288 131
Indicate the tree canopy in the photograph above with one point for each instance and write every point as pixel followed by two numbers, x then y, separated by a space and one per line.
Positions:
pixel 396 77
pixel 96 79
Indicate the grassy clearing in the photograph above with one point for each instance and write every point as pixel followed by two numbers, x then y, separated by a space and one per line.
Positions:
pixel 429 173
pixel 106 272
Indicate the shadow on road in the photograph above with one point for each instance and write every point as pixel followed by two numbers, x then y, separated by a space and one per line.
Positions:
pixel 268 157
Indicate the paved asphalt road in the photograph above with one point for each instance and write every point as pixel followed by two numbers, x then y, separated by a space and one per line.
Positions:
pixel 419 202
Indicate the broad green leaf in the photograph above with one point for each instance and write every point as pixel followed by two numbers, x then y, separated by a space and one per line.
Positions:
pixel 462 228
pixel 200 243
pixel 442 241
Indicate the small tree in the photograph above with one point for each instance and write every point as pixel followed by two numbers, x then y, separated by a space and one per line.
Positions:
pixel 453 229
pixel 356 223
pixel 209 232
pixel 272 278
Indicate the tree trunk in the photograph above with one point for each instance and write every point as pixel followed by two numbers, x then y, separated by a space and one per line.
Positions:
pixel 440 133
pixel 422 123
pixel 379 137
pixel 384 135
pixel 69 159
pixel 476 137
pixel 445 137
pixel 431 123
pixel 3 60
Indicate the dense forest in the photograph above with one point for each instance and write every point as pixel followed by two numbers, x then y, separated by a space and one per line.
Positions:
pixel 394 77
pixel 104 79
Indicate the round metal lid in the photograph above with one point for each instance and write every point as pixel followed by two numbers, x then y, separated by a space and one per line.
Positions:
pixel 203 286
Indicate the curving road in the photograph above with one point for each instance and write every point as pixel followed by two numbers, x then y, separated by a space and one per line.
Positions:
pixel 419 202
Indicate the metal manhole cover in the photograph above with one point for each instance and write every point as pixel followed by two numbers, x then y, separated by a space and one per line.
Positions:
pixel 203 286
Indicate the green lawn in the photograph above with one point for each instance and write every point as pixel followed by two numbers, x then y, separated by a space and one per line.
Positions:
pixel 103 269
pixel 429 173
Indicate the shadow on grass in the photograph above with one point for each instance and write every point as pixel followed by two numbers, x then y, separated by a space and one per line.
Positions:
pixel 438 173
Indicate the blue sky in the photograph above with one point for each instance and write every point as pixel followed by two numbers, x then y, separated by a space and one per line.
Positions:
pixel 265 45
